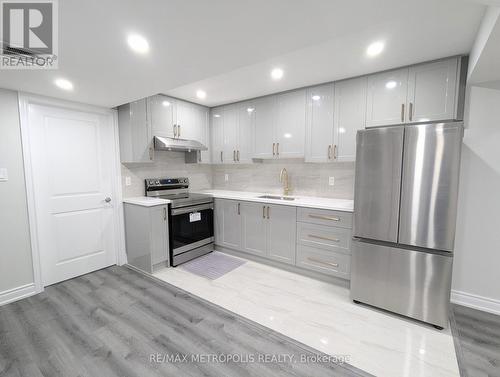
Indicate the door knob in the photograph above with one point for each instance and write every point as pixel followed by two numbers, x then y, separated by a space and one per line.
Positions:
pixel 107 200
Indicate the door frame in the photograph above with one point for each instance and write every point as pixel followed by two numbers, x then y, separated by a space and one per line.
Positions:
pixel 25 100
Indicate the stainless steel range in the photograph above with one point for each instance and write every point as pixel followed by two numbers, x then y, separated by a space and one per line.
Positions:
pixel 191 218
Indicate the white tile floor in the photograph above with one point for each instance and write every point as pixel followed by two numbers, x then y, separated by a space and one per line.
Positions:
pixel 322 316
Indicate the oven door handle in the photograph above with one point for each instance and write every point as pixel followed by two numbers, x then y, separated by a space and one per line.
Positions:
pixel 181 211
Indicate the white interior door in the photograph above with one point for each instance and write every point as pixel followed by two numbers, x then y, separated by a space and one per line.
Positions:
pixel 72 164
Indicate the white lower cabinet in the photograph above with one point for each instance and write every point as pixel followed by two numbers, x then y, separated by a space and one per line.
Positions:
pixel 146 236
pixel 261 229
pixel 228 223
pixel 281 230
pixel 311 239
pixel 254 228
pixel 326 262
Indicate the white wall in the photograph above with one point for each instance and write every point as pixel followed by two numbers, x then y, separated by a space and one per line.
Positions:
pixel 16 268
pixel 476 275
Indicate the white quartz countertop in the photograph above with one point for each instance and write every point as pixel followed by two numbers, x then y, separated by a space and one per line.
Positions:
pixel 300 201
pixel 146 201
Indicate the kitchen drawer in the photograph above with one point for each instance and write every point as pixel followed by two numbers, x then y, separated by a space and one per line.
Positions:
pixel 324 261
pixel 324 237
pixel 325 217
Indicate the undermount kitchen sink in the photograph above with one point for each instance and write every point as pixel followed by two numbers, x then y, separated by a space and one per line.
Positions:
pixel 276 197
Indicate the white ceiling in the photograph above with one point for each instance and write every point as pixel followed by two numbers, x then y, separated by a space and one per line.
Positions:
pixel 227 47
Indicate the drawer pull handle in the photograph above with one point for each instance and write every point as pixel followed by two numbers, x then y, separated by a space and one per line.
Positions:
pixel 323 262
pixel 321 217
pixel 323 238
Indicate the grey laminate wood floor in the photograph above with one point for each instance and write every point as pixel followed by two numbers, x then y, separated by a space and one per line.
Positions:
pixel 477 341
pixel 111 322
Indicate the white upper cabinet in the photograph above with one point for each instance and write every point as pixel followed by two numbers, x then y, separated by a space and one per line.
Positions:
pixel 264 142
pixel 230 133
pixel 319 124
pixel 217 134
pixel 291 124
pixel 386 98
pixel 432 91
pixel 187 121
pixel 136 140
pixel 349 117
pixel 246 125
pixel 202 114
pixel 162 115
pixel 421 93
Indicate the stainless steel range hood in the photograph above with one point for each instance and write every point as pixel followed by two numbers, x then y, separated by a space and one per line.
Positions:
pixel 178 145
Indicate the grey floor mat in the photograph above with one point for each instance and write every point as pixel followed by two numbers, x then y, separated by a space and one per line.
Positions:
pixel 212 266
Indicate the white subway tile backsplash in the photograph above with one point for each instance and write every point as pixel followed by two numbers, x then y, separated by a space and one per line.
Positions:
pixel 308 179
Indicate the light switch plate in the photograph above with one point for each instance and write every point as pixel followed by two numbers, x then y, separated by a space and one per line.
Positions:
pixel 4 175
pixel 128 181
pixel 331 181
pixel 226 177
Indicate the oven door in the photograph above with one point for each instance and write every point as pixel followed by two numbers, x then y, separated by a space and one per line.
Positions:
pixel 191 227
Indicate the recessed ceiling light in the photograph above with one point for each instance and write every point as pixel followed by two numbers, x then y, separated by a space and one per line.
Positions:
pixel 316 98
pixel 138 43
pixel 375 48
pixel 216 115
pixel 250 109
pixel 391 84
pixel 166 103
pixel 201 94
pixel 277 73
pixel 64 84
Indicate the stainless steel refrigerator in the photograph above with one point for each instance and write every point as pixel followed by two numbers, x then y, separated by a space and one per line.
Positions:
pixel 405 205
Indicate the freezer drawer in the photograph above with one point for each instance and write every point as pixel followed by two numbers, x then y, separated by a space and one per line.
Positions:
pixel 412 283
pixel 379 154
pixel 431 164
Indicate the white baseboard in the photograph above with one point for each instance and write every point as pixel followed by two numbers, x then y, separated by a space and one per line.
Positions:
pixel 18 293
pixel 476 302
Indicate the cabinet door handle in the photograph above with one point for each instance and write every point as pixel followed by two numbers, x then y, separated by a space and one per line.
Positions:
pixel 322 217
pixel 221 159
pixel 410 112
pixel 335 151
pixel 151 153
pixel 277 149
pixel 239 213
pixel 263 212
pixel 274 146
pixel 268 212
pixel 238 155
pixel 323 238
pixel 329 152
pixel 175 130
pixel 402 113
pixel 178 130
pixel 164 214
pixel 234 155
pixel 322 262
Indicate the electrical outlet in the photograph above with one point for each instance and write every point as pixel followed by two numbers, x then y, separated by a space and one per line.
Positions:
pixel 331 181
pixel 128 181
pixel 226 177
